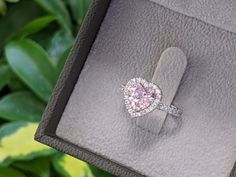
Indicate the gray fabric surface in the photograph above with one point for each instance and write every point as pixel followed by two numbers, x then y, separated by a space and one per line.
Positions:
pixel 132 38
pixel 220 13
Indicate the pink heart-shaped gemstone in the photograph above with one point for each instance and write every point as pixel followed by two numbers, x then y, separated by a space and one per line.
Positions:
pixel 141 96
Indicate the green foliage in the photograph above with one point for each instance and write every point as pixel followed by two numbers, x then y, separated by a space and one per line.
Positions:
pixel 79 9
pixel 33 51
pixel 5 72
pixel 15 106
pixel 58 9
pixel 32 65
pixel 33 27
pixel 68 166
pixel 17 143
pixel 39 167
pixel 58 45
pixel 5 172
pixel 3 5
pixel 16 17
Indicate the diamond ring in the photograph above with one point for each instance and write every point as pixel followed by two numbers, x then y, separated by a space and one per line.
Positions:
pixel 142 97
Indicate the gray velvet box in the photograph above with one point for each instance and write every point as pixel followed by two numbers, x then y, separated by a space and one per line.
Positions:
pixel 46 132
pixel 122 39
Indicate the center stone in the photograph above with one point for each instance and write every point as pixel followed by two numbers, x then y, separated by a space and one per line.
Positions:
pixel 140 97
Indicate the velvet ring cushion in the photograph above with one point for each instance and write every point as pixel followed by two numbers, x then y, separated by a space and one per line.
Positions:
pixel 168 74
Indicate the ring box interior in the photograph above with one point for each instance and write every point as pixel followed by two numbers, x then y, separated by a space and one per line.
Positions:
pixel 120 40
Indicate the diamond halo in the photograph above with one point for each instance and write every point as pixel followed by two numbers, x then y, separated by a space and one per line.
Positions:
pixel 141 97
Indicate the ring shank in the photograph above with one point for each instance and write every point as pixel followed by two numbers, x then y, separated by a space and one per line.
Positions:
pixel 170 109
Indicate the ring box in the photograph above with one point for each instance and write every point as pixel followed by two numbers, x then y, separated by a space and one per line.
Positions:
pixel 121 39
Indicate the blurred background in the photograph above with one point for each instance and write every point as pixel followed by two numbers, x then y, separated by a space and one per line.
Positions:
pixel 35 39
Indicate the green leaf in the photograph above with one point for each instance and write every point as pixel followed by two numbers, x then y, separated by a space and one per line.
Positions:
pixel 33 27
pixel 3 7
pixel 17 143
pixel 32 65
pixel 58 9
pixel 68 166
pixel 98 172
pixel 16 18
pixel 5 75
pixel 17 85
pixel 39 167
pixel 2 61
pixel 22 106
pixel 10 172
pixel 62 61
pixel 44 36
pixel 79 9
pixel 60 42
pixel 13 1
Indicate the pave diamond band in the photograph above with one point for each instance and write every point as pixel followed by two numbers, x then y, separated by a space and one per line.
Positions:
pixel 173 110
pixel 142 97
